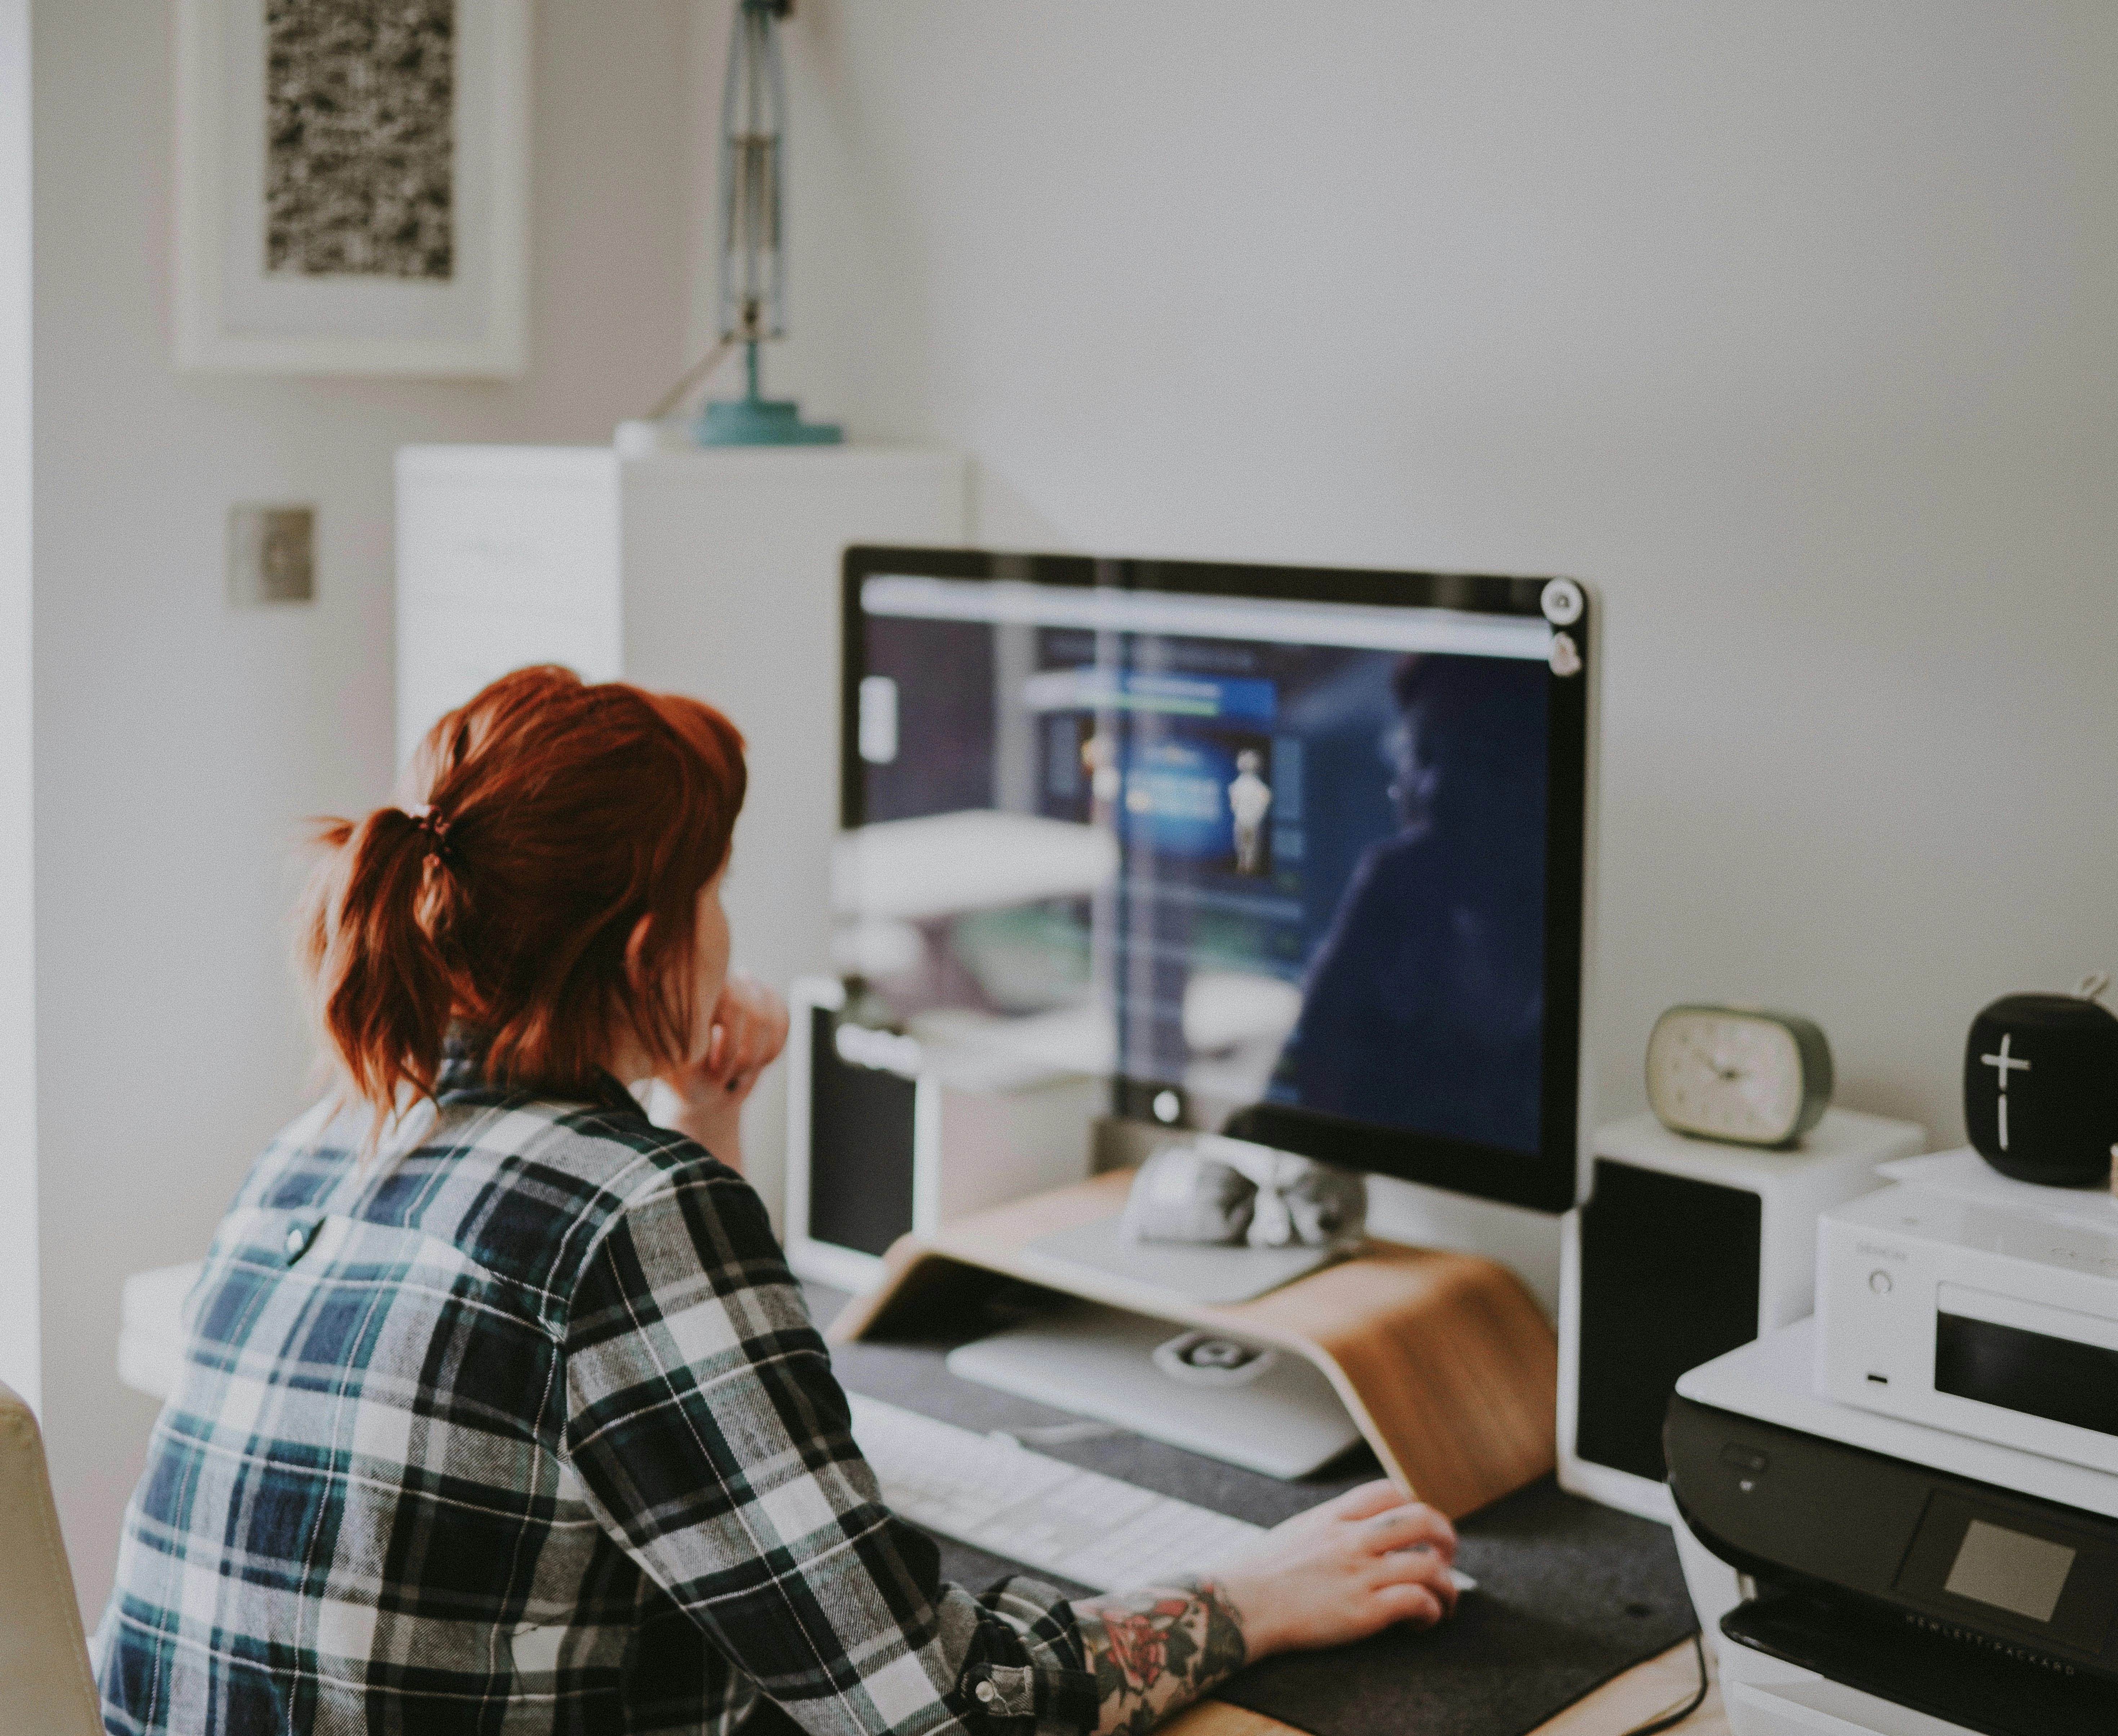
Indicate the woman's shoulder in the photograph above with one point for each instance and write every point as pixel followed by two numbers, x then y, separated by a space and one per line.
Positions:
pixel 525 1186
pixel 528 1184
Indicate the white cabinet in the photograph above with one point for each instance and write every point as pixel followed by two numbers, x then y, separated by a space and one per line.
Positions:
pixel 710 573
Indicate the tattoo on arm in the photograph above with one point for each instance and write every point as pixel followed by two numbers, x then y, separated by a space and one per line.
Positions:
pixel 1157 1649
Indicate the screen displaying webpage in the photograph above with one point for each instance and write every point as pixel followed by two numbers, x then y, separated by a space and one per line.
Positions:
pixel 1258 849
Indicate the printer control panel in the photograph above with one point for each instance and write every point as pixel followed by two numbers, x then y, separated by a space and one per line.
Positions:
pixel 2016 1565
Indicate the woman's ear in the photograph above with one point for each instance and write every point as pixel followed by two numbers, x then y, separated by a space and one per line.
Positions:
pixel 633 1058
pixel 652 1000
pixel 636 944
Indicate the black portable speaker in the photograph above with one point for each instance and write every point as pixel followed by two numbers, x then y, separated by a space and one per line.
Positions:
pixel 2040 1088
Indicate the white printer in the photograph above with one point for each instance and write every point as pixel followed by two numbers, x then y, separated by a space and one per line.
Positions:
pixel 1917 1491
pixel 1890 1578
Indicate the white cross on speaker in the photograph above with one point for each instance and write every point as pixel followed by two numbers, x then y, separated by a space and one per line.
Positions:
pixel 2002 1065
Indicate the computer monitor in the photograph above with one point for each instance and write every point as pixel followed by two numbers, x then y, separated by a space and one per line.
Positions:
pixel 1296 854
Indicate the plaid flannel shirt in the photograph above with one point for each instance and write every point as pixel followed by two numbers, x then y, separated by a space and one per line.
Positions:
pixel 526 1428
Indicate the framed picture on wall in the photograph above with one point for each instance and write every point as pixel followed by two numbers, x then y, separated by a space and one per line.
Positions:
pixel 352 186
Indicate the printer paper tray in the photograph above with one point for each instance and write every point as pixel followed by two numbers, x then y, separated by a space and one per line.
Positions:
pixel 1970 1681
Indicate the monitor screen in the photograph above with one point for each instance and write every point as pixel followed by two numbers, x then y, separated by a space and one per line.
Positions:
pixel 1295 854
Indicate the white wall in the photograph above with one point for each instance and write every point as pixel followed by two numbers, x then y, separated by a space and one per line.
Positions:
pixel 18 1032
pixel 1793 327
pixel 180 744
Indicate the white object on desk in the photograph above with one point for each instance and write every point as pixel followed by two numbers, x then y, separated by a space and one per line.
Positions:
pixel 1996 1320
pixel 1626 1330
pixel 988 1491
pixel 1101 1362
pixel 712 573
pixel 888 1134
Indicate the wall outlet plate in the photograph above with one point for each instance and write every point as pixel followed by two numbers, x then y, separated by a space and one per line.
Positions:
pixel 271 555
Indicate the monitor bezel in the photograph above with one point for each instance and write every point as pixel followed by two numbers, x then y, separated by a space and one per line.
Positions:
pixel 1549 1182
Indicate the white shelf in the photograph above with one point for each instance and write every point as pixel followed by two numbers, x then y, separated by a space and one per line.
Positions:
pixel 711 573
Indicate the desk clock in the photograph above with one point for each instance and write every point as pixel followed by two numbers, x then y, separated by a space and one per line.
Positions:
pixel 1738 1074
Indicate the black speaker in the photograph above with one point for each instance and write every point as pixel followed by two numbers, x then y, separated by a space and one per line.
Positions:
pixel 887 1136
pixel 1687 1248
pixel 2040 1088
pixel 1669 1280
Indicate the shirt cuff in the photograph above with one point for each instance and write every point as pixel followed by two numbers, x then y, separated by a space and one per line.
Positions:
pixel 1049 1689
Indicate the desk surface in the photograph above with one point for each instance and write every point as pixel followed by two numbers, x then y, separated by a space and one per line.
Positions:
pixel 913 1374
pixel 1636 1697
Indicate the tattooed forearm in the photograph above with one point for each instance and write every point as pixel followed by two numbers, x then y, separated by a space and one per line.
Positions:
pixel 1157 1649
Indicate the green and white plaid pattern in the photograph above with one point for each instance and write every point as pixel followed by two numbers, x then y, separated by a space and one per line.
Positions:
pixel 527 1429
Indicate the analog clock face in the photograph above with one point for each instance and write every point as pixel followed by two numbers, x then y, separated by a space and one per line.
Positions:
pixel 1726 1075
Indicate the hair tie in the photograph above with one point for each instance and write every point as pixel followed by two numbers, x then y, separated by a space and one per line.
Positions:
pixel 434 823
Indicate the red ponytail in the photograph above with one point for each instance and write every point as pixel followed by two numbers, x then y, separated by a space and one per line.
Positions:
pixel 557 817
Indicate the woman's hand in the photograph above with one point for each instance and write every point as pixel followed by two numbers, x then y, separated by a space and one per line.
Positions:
pixel 745 1032
pixel 1342 1572
pixel 1338 1573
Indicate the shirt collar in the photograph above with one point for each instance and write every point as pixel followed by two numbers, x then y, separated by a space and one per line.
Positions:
pixel 463 1070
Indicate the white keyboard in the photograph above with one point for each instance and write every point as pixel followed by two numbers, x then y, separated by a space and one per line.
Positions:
pixel 990 1491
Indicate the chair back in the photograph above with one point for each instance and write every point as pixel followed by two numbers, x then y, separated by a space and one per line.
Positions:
pixel 45 1686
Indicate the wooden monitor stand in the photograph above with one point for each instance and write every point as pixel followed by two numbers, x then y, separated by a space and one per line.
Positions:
pixel 1443 1360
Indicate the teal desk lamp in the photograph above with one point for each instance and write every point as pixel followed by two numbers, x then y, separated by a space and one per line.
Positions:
pixel 752 302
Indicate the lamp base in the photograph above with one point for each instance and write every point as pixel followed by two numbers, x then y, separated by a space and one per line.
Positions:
pixel 762 422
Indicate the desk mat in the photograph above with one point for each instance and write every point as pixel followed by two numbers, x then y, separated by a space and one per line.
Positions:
pixel 1570 1594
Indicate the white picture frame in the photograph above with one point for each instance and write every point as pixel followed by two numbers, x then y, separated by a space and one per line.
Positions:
pixel 458 310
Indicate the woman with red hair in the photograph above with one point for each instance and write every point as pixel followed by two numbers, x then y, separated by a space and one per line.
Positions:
pixel 500 1411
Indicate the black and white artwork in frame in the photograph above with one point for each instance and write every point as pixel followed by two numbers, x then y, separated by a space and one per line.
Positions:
pixel 360 137
pixel 352 186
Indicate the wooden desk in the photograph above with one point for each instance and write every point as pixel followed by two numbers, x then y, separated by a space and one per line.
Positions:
pixel 1638 1697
